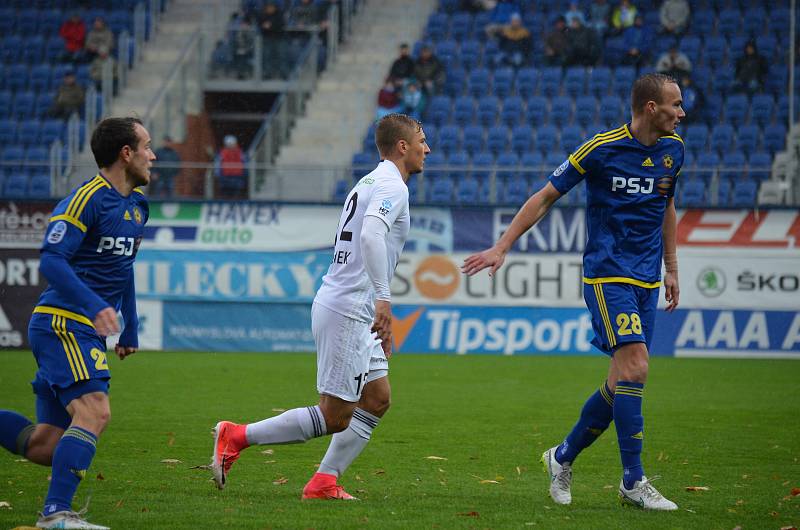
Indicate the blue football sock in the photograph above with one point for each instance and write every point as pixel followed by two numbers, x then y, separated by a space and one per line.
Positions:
pixel 597 413
pixel 15 430
pixel 71 459
pixel 630 429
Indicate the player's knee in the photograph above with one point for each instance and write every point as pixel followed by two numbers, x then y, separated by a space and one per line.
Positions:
pixel 337 424
pixel 635 371
pixel 378 404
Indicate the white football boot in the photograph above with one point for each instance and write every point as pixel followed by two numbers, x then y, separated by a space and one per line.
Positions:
pixel 560 477
pixel 67 520
pixel 645 496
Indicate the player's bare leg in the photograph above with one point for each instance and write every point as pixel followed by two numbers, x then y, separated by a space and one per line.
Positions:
pixel 42 444
pixel 298 425
pixel 348 444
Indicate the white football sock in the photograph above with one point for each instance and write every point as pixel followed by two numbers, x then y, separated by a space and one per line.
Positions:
pixel 293 426
pixel 348 444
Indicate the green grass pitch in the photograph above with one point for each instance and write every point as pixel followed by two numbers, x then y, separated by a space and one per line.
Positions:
pixel 458 449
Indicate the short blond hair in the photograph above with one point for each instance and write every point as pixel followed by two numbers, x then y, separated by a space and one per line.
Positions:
pixel 393 128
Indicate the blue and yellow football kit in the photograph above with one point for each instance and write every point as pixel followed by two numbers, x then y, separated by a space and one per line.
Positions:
pixel 628 185
pixel 87 257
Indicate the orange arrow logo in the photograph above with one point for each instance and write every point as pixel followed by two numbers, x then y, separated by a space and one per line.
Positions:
pixel 401 327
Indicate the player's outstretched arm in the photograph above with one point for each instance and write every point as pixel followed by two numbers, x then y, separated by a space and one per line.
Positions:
pixel 668 233
pixel 373 252
pixel 531 212
pixel 129 340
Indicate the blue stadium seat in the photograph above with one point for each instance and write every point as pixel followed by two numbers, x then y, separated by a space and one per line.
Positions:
pixel 11 49
pixel 44 102
pixel 16 185
pixel 724 193
pixel 449 138
pixel 761 108
pixel 747 138
pixel 575 81
pixel 482 165
pixel 706 165
pixel 340 190
pixel 459 163
pixel 515 190
pixel 413 190
pixel 436 29
pixel 497 139
pixel 363 163
pixel 729 21
pixel 434 166
pixel 460 26
pixel 29 132
pixel 696 137
pixel 744 193
pixel 732 165
pixel 702 21
pixel 27 21
pixel 611 113
pixel 522 138
pixel 767 45
pixel 507 166
pixel 447 52
pixel 12 158
pixel 721 138
pixel 736 47
pixel 440 190
pixel 464 110
pixel 599 80
pixel 512 112
pixel 691 46
pixel 774 137
pixel 54 49
pixel 536 110
pixel 571 137
pixel 23 105
pixel 50 21
pixel 439 110
pixel 779 19
pixel 33 49
pixel 488 109
pixel 693 194
pixel 120 20
pixel 714 50
pixel 478 82
pixel 754 21
pixel 547 139
pixel 467 191
pixel 473 138
pixel 5 103
pixel 455 80
pixel 560 110
pixel 52 130
pixel 550 83
pixel 736 107
pixel 782 108
pixel 760 165
pixel 585 110
pixel 533 161
pixel 39 77
pixel 16 77
pixel 8 132
pixel 527 81
pixel 554 159
pixel 7 20
pixel 502 81
pixel 614 50
pixel 470 54
pixel 622 81
pixel 39 186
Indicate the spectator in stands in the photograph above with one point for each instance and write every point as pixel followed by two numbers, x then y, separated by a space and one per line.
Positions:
pixel 599 14
pixel 674 16
pixel 693 100
pixel 751 70
pixel 165 168
pixel 220 59
pixel 501 17
pixel 69 98
pixel 413 100
pixel 429 71
pixel 582 48
pixel 307 14
pixel 574 12
pixel 623 16
pixel 388 100
pixel 73 31
pixel 403 67
pixel 675 63
pixel 555 43
pixel 515 43
pixel 100 36
pixel 243 49
pixel 232 174
pixel 271 25
pixel 99 64
pixel 636 40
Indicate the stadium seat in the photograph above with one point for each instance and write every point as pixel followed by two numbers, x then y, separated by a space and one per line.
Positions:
pixel 732 165
pixel 50 21
pixel 611 111
pixel 449 138
pixel 512 111
pixel 546 138
pixel 550 83
pixel 743 194
pixel 747 138
pixel 515 190
pixel 39 78
pixel 53 49
pixel 467 191
pixel 413 190
pixel 585 110
pixel 721 138
pixel 454 82
pixel 447 52
pixel 473 138
pixel 693 194
pixel 362 163
pixel 614 50
pixel 7 20
pixel 761 108
pixel 533 163
pixel 464 110
pixel 497 139
pixel 554 159
pixel 696 137
pixel 16 185
pixel 575 81
pixel 571 137
pixel 502 81
pixel 703 21
pixel 774 137
pixel 16 77
pixel 714 50
pixel 599 80
pixel 478 82
pixel 754 21
pixel 39 186
pixel 527 81
pixel 736 47
pixel 8 132
pixel 44 102
pixel 760 166
pixel 722 80
pixel 439 110
pixel 706 165
pixel 440 190
pixel 28 132
pixel 470 54
pixel 767 46
pixel 507 166
pixel 723 193
pixel 24 103
pixel 436 29
pixel 434 166
pixel 491 53
pixel 488 109
pixel 340 190
pixel 522 138
pixel 691 46
pixel 120 20
pixel 459 165
pixel 11 49
pixel 560 110
pixel 622 81
pixel 779 19
pixel 736 107
pixel 33 51
pixel 729 21
pixel 482 165
pixel 460 26
pixel 536 110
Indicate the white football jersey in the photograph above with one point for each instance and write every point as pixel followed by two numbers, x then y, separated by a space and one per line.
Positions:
pixel 346 288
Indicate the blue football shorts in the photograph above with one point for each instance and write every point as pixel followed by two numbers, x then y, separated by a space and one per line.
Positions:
pixel 621 313
pixel 72 362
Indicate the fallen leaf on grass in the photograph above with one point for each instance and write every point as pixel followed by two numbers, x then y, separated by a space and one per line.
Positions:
pixel 435 458
pixel 469 514
pixel 204 466
pixel 697 476
pixel 119 504
pixel 697 488
pixel 280 481
pixel 171 440
pixel 267 451
pixel 145 510
pixel 100 476
pixel 740 502
pixel 22 460
pixel 608 487
pixel 270 461
pixel 690 511
pixel 171 461
pixel 519 471
pixel 358 478
pixel 6 505
pixel 487 481
pixel 731 510
pixel 745 477
pixel 379 472
pixel 278 410
pixel 442 470
pixel 795 492
pixel 774 514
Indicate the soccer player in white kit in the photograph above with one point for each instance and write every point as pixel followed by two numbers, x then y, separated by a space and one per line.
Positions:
pixel 351 319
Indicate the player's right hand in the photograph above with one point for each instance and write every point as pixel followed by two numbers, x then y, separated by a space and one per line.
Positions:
pixel 492 257
pixel 106 323
pixel 382 325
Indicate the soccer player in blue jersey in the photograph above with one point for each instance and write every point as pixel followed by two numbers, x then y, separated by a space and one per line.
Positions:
pixel 630 174
pixel 87 257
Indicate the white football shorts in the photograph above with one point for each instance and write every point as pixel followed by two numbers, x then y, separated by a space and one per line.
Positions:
pixel 348 354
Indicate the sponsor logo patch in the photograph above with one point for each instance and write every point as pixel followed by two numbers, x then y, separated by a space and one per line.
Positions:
pixel 560 169
pixel 386 207
pixel 57 233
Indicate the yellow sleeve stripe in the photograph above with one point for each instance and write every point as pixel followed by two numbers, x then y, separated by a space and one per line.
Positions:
pixel 674 137
pixel 576 165
pixel 601 303
pixel 70 220
pixel 622 279
pixel 48 310
pixel 80 193
pixel 596 143
pixel 79 201
pixel 596 138
pixel 138 190
pixel 88 195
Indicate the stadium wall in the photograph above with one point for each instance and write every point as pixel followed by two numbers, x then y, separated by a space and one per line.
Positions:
pixel 241 277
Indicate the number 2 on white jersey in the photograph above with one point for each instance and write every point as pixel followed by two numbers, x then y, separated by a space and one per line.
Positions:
pixel 347 235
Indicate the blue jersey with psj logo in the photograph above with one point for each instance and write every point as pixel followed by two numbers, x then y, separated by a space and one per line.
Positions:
pixel 627 187
pixel 98 232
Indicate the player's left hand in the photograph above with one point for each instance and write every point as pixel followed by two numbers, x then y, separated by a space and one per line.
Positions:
pixel 672 292
pixel 382 325
pixel 124 351
pixel 475 263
